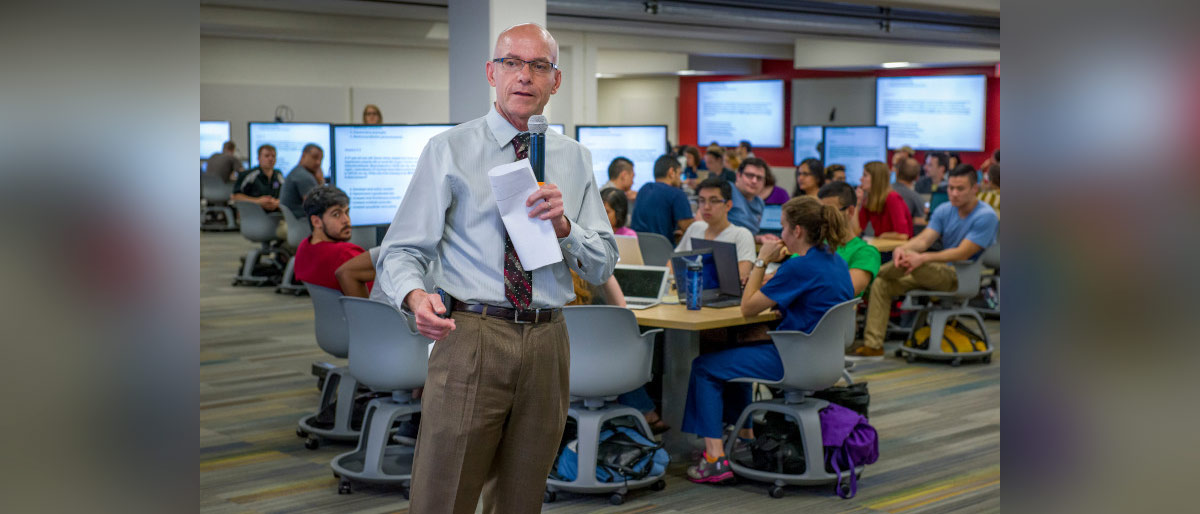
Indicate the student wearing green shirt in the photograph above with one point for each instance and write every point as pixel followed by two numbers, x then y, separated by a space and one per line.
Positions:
pixel 862 258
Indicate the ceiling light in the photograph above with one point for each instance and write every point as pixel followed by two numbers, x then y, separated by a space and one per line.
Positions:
pixel 896 64
pixel 687 72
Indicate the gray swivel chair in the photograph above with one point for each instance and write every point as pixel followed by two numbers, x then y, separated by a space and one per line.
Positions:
pixel 297 231
pixel 387 354
pixel 991 259
pixel 811 362
pixel 340 386
pixel 949 305
pixel 656 249
pixel 608 357
pixel 216 193
pixel 259 227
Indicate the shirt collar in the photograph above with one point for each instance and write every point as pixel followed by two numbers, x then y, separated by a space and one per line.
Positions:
pixel 501 129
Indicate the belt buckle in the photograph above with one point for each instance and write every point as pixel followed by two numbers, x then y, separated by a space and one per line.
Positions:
pixel 517 316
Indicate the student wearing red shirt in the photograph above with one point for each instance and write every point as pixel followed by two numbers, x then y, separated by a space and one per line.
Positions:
pixel 882 207
pixel 327 258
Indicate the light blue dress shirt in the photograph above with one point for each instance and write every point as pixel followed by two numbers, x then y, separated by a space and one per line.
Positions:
pixel 448 224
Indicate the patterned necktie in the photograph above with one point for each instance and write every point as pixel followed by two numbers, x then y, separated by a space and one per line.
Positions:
pixel 518 283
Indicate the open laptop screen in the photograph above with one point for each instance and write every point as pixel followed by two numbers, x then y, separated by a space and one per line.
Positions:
pixel 772 219
pixel 640 283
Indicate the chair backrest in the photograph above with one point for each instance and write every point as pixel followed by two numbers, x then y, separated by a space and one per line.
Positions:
pixel 991 256
pixel 215 190
pixel 386 351
pixel 656 249
pixel 968 278
pixel 329 320
pixel 814 361
pixel 297 229
pixel 608 354
pixel 254 224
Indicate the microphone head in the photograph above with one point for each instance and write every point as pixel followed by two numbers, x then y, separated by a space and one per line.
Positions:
pixel 538 124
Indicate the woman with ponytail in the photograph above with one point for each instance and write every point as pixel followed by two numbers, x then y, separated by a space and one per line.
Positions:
pixel 804 288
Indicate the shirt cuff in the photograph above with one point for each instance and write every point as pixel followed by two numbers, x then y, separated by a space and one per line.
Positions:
pixel 572 242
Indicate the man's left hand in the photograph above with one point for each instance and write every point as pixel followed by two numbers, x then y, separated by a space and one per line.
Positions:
pixel 547 203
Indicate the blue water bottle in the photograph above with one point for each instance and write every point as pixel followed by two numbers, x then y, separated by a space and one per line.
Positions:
pixel 694 285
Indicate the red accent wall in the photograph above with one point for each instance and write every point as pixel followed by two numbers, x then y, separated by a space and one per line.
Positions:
pixel 782 69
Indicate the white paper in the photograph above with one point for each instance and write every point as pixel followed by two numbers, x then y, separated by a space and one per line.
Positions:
pixel 533 238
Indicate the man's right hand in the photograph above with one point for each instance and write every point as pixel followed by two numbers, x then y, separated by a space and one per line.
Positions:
pixel 427 308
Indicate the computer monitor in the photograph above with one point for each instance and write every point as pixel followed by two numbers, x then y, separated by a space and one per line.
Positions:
pixel 731 111
pixel 213 135
pixel 289 139
pixel 805 139
pixel 944 112
pixel 853 147
pixel 772 219
pixel 725 258
pixel 374 164
pixel 642 144
pixel 643 283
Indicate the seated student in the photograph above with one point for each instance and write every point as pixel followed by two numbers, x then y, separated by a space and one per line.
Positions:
pixel 881 207
pixel 715 201
pixel 692 165
pixel 714 160
pixel 620 176
pixel 772 194
pixel 663 206
pixel 803 289
pixel 991 194
pixel 862 258
pixel 835 173
pixel 261 184
pixel 810 176
pixel 907 171
pixel 328 248
pixel 303 178
pixel 225 164
pixel 964 225
pixel 747 206
pixel 616 205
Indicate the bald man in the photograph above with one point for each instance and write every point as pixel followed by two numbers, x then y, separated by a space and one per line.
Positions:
pixel 495 400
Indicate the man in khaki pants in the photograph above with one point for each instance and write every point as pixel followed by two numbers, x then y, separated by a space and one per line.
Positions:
pixel 495 400
pixel 965 226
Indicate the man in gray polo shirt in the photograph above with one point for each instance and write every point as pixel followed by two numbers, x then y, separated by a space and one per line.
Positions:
pixel 305 176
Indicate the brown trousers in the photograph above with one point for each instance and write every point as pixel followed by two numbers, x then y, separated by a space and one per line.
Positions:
pixel 493 412
pixel 892 282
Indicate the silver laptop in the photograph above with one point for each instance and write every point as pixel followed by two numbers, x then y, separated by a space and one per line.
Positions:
pixel 643 286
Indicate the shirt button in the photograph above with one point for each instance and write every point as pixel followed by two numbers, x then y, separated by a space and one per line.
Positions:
pixel 569 246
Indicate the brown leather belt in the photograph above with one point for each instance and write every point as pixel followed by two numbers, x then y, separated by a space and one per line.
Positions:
pixel 507 314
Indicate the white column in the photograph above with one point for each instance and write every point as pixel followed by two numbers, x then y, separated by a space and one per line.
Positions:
pixel 474 26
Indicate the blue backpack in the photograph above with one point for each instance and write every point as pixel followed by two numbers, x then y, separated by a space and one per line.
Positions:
pixel 623 454
pixel 849 442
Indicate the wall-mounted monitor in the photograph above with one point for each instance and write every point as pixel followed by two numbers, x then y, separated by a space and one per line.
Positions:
pixel 558 127
pixel 374 164
pixel 932 113
pixel 805 139
pixel 731 111
pixel 642 144
pixel 853 147
pixel 289 139
pixel 213 135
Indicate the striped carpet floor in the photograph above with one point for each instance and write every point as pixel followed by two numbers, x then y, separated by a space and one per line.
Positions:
pixel 939 426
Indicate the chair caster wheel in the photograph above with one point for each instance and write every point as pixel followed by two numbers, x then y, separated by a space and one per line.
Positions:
pixel 344 487
pixel 616 499
pixel 910 358
pixel 775 491
pixel 337 476
pixel 987 359
pixel 405 492
pixel 899 352
pixel 845 489
pixel 549 497
pixel 312 443
pixel 956 362
pixel 658 486
pixel 301 433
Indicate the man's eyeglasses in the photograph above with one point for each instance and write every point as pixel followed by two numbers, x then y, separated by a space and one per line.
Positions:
pixel 707 201
pixel 514 65
pixel 752 176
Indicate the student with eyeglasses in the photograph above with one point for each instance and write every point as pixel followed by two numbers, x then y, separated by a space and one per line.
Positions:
pixel 748 208
pixel 715 199
pixel 810 176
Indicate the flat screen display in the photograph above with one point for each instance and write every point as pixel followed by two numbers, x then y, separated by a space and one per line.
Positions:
pixel 853 147
pixel 289 139
pixel 932 113
pixel 213 134
pixel 804 142
pixel 642 144
pixel 374 164
pixel 732 111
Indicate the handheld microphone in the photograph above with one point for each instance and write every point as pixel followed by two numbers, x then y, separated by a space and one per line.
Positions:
pixel 537 146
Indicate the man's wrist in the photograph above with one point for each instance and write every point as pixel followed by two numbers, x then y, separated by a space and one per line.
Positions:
pixel 414 298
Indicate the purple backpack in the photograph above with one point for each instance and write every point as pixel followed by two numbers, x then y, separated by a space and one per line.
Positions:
pixel 849 442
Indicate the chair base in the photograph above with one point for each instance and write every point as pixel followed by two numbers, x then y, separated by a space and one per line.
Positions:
pixel 373 461
pixel 246 275
pixel 339 385
pixel 807 416
pixel 938 318
pixel 288 284
pixel 589 422
pixel 230 223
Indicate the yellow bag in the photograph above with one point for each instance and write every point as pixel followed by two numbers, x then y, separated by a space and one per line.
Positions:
pixel 956 338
